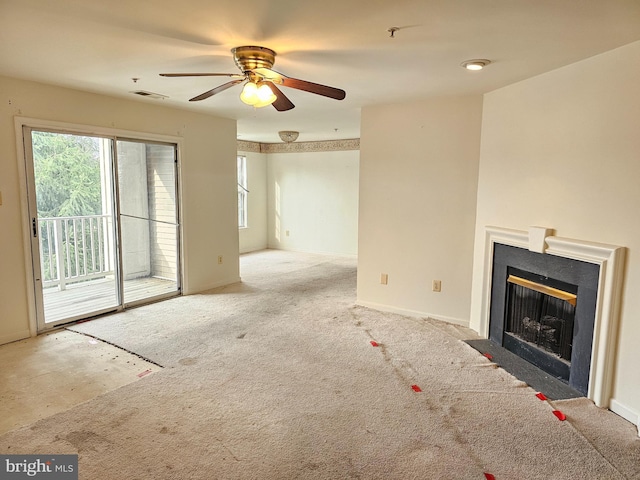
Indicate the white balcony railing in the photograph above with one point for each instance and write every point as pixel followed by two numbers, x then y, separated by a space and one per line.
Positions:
pixel 75 249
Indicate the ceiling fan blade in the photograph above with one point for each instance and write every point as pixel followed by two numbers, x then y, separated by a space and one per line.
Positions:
pixel 311 87
pixel 218 89
pixel 282 103
pixel 201 75
pixel 316 88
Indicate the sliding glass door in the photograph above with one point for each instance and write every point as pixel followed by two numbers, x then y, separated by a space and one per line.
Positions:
pixel 104 223
pixel 148 219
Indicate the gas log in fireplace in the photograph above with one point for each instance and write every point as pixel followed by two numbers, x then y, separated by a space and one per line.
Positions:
pixel 543 309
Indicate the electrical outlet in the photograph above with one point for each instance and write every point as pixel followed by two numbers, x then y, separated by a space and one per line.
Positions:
pixel 437 286
pixel 384 278
pixel 219 259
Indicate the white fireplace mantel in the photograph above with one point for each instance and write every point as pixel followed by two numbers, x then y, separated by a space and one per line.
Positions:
pixel 610 258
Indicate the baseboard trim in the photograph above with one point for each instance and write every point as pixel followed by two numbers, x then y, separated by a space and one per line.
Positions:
pixel 314 252
pixel 412 313
pixel 212 286
pixel 625 412
pixel 14 337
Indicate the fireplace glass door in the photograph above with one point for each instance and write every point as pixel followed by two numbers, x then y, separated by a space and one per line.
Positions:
pixel 539 322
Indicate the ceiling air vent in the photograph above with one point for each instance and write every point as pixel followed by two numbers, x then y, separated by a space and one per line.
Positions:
pixel 144 93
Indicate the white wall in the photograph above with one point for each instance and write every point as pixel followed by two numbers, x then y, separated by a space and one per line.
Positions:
pixel 418 178
pixel 562 150
pixel 254 236
pixel 314 197
pixel 208 174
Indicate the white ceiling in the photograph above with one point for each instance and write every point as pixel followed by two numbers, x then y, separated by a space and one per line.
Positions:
pixel 100 45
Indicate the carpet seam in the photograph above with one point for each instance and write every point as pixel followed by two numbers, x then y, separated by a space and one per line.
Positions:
pixel 117 346
pixel 593 446
pixel 432 403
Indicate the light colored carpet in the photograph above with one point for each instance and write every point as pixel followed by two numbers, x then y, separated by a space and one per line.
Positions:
pixel 276 378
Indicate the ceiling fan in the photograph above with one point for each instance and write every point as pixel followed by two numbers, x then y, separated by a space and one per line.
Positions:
pixel 261 87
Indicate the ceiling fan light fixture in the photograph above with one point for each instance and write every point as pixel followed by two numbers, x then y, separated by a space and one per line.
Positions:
pixel 288 136
pixel 257 94
pixel 249 94
pixel 476 64
pixel 265 95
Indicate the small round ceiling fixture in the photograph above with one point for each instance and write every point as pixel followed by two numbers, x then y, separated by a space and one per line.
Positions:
pixel 288 136
pixel 476 64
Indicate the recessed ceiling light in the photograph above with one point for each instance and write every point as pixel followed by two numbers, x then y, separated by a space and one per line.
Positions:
pixel 477 64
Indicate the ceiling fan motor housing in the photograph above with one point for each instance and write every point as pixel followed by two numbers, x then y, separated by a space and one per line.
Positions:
pixel 249 57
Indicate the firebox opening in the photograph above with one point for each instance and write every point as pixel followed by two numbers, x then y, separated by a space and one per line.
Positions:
pixel 539 321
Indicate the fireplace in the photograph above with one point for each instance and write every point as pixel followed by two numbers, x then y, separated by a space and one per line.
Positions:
pixel 543 310
pixel 554 302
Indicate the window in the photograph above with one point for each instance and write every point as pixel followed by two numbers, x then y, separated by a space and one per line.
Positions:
pixel 242 191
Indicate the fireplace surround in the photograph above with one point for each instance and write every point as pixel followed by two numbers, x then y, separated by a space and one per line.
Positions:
pixel 608 262
pixel 533 327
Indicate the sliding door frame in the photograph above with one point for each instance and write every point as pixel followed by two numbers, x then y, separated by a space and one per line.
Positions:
pixel 35 308
pixel 119 215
